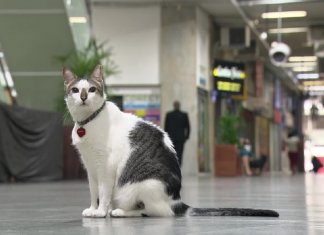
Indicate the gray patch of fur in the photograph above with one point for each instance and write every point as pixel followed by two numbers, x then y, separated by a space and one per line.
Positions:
pixel 99 86
pixel 151 159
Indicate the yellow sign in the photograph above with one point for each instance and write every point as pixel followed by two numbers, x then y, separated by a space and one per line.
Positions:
pixel 228 86
pixel 140 112
pixel 232 73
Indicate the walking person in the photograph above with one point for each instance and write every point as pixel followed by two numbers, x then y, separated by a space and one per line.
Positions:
pixel 178 128
pixel 292 143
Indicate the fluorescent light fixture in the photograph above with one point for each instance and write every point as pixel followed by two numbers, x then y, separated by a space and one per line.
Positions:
pixel 313 83
pixel 2 80
pixel 8 77
pixel 289 30
pixel 308 76
pixel 302 59
pixel 300 64
pixel 78 19
pixel 303 69
pixel 316 88
pixel 283 14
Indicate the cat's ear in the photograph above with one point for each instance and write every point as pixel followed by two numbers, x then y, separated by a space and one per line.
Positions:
pixel 68 76
pixel 97 74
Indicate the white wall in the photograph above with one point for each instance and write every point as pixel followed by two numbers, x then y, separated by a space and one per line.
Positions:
pixel 134 35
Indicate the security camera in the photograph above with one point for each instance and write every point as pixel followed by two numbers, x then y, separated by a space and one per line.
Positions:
pixel 279 53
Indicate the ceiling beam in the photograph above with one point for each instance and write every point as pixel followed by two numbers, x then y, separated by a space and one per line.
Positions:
pixel 272 2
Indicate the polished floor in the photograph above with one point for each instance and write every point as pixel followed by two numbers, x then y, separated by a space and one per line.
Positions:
pixel 55 208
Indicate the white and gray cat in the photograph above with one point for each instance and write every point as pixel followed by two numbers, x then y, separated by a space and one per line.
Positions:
pixel 131 164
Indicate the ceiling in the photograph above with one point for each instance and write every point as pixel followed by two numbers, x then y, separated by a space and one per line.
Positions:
pixel 307 43
pixel 39 31
pixel 230 12
pixel 301 43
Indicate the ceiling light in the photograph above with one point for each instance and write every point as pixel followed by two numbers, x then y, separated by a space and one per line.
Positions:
pixel 9 80
pixel 303 69
pixel 302 59
pixel 313 83
pixel 308 76
pixel 288 30
pixel 283 14
pixel 264 35
pixel 77 19
pixel 14 93
pixel 2 80
pixel 316 88
pixel 300 64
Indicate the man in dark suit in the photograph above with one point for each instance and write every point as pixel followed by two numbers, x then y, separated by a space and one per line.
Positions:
pixel 178 127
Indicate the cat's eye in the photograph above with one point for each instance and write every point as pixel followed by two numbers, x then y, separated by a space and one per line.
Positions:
pixel 92 89
pixel 75 90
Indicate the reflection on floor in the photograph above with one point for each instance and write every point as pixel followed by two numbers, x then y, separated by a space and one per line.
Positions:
pixel 55 208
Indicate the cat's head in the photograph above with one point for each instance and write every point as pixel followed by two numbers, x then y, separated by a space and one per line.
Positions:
pixel 84 96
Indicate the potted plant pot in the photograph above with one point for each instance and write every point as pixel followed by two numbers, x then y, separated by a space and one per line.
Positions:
pixel 226 155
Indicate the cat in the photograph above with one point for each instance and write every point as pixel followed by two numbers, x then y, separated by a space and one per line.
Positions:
pixel 131 164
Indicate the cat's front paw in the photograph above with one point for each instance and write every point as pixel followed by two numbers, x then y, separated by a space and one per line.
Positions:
pixel 99 213
pixel 117 213
pixel 94 213
pixel 89 212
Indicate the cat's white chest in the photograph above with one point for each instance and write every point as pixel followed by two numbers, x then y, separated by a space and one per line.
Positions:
pixel 93 146
pixel 93 136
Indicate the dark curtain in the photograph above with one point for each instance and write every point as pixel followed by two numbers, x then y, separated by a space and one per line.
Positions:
pixel 31 144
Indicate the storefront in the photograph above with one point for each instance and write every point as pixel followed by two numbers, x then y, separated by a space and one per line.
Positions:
pixel 143 102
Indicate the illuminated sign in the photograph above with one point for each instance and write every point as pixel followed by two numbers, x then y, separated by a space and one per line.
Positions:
pixel 229 77
pixel 233 73
pixel 228 86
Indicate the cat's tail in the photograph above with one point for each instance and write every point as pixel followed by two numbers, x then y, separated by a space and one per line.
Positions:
pixel 181 209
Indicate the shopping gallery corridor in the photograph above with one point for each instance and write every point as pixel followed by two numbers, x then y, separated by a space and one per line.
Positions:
pixel 107 106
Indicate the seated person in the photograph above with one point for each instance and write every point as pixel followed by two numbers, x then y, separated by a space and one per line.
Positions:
pixel 316 164
pixel 248 160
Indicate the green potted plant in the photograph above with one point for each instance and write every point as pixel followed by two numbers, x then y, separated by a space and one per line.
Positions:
pixel 229 126
pixel 226 159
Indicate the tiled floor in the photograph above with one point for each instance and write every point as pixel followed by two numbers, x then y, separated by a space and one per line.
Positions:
pixel 55 208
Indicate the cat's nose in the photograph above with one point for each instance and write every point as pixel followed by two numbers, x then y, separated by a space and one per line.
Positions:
pixel 83 95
